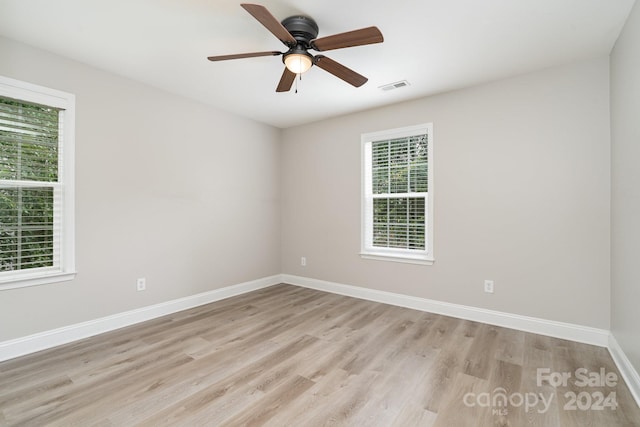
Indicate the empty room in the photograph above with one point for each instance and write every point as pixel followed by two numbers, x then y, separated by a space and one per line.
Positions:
pixel 303 213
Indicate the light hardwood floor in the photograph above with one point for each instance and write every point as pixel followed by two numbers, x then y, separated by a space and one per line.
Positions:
pixel 290 356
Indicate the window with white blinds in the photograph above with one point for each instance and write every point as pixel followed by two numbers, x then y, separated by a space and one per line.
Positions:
pixel 397 192
pixel 36 184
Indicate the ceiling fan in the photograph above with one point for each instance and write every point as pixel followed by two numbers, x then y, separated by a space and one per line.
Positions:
pixel 299 34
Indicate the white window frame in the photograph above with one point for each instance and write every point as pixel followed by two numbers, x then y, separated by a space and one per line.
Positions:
pixel 368 251
pixel 64 265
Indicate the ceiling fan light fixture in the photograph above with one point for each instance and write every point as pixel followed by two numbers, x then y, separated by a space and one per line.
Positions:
pixel 298 63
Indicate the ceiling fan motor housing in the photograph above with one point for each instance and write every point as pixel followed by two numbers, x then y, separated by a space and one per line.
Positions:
pixel 302 28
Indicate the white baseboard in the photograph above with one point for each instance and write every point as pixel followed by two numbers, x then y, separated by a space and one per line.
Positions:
pixel 625 367
pixel 568 331
pixel 44 340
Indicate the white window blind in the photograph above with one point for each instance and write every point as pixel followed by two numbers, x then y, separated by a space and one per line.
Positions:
pixel 396 187
pixel 36 240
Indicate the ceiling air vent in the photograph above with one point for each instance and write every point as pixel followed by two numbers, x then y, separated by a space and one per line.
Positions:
pixel 396 85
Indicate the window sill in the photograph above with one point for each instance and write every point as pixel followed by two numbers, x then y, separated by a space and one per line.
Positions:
pixel 398 258
pixel 15 282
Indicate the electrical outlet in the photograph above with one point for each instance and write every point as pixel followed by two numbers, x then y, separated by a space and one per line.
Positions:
pixel 488 286
pixel 303 261
pixel 141 284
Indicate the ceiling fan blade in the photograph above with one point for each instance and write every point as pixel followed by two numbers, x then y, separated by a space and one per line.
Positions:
pixel 340 71
pixel 270 23
pixel 243 55
pixel 286 81
pixel 363 36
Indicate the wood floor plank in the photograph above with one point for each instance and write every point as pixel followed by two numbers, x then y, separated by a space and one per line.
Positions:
pixel 538 354
pixel 510 346
pixel 453 411
pixel 290 356
pixel 171 386
pixel 450 360
pixel 414 415
pixel 339 403
pixel 485 342
pixel 196 401
pixel 388 394
pixel 307 405
pixel 271 403
pixel 504 378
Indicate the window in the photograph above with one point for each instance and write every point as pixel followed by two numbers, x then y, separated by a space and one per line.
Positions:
pixel 397 194
pixel 36 184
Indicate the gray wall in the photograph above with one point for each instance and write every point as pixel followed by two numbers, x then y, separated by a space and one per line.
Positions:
pixel 625 189
pixel 522 184
pixel 166 188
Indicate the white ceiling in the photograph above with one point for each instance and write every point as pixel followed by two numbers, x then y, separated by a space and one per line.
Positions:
pixel 437 45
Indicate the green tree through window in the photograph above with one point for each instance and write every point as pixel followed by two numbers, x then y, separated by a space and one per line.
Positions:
pixel 399 176
pixel 28 178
